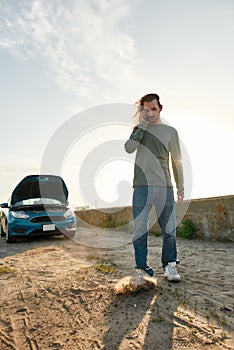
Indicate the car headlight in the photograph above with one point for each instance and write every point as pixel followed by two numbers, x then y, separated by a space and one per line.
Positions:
pixel 69 214
pixel 19 215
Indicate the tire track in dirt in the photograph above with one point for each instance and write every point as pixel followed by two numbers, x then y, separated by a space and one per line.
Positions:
pixel 6 341
pixel 194 329
pixel 20 335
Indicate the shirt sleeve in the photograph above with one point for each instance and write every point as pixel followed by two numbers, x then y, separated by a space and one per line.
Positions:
pixel 135 138
pixel 174 147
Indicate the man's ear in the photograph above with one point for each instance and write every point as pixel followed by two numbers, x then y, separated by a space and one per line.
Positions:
pixel 161 107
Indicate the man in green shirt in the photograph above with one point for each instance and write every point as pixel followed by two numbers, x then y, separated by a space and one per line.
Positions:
pixel 155 142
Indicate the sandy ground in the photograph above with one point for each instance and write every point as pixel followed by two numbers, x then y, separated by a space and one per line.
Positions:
pixel 60 294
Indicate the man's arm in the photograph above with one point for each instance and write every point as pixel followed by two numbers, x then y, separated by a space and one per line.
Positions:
pixel 135 138
pixel 177 166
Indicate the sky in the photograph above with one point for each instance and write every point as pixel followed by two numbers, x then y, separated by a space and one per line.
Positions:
pixel 62 62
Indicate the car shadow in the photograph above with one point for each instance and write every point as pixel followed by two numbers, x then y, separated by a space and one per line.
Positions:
pixel 23 245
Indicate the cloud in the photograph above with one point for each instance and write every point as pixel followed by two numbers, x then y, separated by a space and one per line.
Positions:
pixel 84 42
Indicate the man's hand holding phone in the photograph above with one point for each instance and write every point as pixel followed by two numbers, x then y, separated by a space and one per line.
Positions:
pixel 142 120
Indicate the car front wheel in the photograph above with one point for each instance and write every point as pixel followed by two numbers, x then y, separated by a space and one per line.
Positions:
pixel 2 233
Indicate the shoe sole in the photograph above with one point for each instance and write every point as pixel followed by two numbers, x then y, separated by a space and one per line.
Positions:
pixel 172 279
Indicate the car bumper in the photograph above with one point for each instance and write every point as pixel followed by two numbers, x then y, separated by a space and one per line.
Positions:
pixel 18 228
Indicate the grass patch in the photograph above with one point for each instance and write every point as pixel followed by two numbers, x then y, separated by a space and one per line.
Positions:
pixel 104 265
pixel 105 268
pixel 187 229
pixel 7 269
pixel 110 223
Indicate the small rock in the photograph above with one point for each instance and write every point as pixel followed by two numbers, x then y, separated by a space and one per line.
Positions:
pixel 55 345
pixel 226 308
pixel 21 310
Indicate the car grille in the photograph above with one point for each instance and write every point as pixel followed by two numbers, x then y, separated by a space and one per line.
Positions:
pixel 47 219
pixel 19 230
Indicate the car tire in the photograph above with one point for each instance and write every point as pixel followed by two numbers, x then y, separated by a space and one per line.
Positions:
pixel 2 233
pixel 9 238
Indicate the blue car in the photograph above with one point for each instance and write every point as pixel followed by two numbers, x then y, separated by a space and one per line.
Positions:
pixel 38 206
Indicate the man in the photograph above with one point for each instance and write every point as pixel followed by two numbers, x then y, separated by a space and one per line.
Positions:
pixel 155 142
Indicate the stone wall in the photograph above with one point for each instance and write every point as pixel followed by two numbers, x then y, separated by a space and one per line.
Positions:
pixel 98 217
pixel 213 216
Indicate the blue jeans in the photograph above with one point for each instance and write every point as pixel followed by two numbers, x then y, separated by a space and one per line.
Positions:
pixel 144 197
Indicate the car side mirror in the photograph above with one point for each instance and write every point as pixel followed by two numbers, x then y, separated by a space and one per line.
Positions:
pixel 4 205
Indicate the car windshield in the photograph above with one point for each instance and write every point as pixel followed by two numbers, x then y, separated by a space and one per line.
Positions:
pixel 39 201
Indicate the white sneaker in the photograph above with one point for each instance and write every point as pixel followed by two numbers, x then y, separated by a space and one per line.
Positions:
pixel 171 273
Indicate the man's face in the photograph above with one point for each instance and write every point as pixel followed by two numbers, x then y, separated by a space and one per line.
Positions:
pixel 152 112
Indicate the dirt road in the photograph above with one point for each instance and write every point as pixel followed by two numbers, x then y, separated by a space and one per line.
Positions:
pixel 56 293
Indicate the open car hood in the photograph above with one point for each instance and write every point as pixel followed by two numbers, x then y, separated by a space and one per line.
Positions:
pixel 40 186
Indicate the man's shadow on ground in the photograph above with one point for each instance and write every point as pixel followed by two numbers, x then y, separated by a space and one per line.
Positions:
pixel 139 321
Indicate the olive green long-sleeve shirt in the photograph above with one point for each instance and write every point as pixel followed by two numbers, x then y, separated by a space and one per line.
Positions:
pixel 154 145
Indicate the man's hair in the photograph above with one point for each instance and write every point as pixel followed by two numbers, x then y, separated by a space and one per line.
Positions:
pixel 149 98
